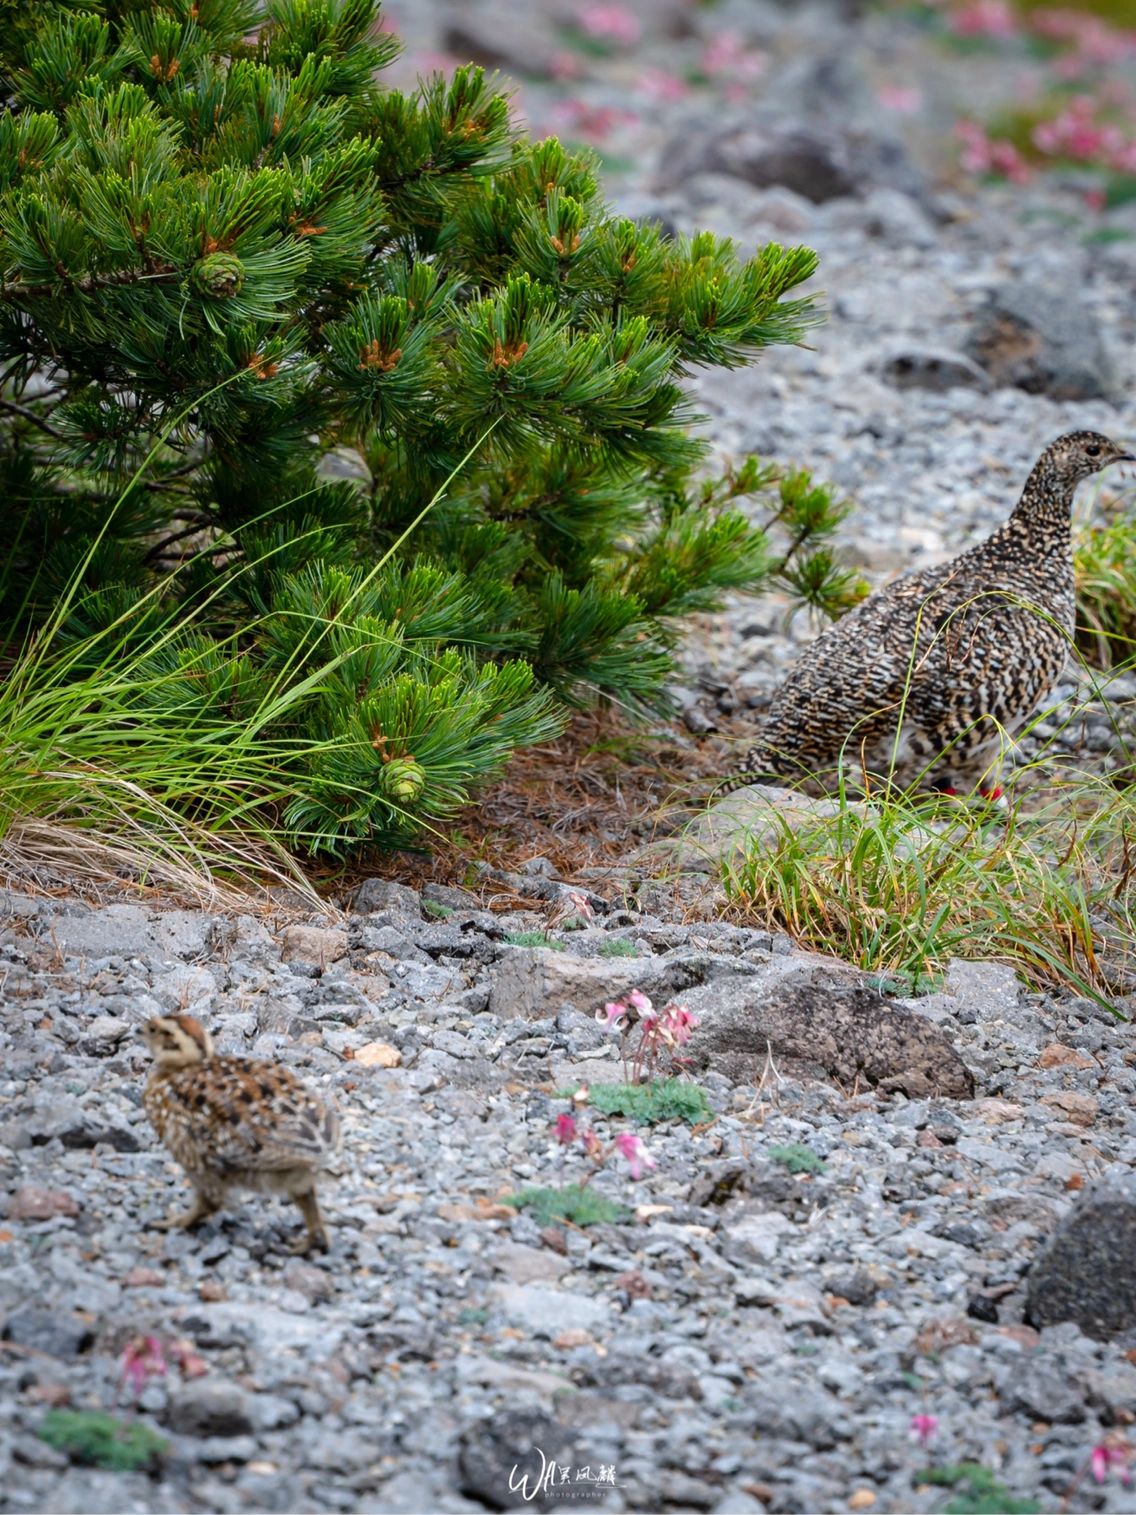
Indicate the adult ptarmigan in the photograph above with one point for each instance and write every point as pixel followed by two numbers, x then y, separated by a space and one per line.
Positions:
pixel 928 676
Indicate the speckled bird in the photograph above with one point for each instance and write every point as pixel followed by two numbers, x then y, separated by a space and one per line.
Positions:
pixel 929 675
pixel 236 1124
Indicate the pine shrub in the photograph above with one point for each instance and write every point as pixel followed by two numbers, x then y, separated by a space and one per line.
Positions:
pixel 345 419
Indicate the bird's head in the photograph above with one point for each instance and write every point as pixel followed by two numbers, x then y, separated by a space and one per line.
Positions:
pixel 177 1041
pixel 1079 454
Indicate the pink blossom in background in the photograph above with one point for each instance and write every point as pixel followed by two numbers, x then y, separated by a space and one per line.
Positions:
pixel 904 99
pixel 638 1000
pixel 565 65
pixel 632 1148
pixel 982 154
pixel 658 84
pixel 142 1359
pixel 565 1129
pixel 1109 1455
pixel 923 1428
pixel 728 54
pixel 610 23
pixel 984 18
pixel 1095 199
pixel 592 122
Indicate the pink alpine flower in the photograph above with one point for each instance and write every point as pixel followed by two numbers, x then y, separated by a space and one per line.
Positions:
pixel 565 1129
pixel 632 1148
pixel 611 1013
pixel 639 1001
pixel 610 23
pixel 142 1359
pixel 1109 1455
pixel 923 1428
pixel 984 18
pixel 680 1024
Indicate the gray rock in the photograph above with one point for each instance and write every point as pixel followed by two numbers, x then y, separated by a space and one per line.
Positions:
pixel 818 163
pixel 498 1455
pixel 1085 1273
pixel 211 1407
pixel 1044 339
pixel 56 1332
pixel 375 894
pixel 821 1019
pixel 934 368
pixel 546 1312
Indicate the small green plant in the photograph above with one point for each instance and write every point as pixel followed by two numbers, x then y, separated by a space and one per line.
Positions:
pixel 532 939
pixel 99 1440
pixel 578 1205
pixel 439 912
pixel 798 1158
pixel 618 946
pixel 660 1100
pixel 979 1492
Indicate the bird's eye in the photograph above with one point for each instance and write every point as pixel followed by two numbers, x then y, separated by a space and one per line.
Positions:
pixel 1093 450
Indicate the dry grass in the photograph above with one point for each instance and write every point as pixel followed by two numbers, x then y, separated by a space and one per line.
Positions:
pixel 583 801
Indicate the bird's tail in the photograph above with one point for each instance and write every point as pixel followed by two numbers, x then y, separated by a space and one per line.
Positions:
pixel 759 768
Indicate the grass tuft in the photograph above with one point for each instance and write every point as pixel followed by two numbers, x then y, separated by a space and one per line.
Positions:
pixel 532 939
pixel 903 883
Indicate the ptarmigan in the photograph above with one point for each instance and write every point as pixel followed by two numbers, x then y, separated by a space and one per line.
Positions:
pixel 926 678
pixel 236 1124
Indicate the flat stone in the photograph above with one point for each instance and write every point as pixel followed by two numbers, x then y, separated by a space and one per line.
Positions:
pixel 312 944
pixel 933 368
pixel 545 1312
pixel 32 1203
pixel 211 1407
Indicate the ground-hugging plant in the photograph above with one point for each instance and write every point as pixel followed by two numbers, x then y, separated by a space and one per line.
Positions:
pixel 344 426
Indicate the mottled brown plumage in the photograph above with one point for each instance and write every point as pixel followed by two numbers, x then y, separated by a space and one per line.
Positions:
pixel 235 1124
pixel 926 678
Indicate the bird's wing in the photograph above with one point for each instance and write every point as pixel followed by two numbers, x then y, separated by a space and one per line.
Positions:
pixel 265 1118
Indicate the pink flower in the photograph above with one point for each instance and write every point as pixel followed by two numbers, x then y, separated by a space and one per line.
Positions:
pixel 639 1001
pixel 186 1359
pixel 681 1022
pixel 142 1359
pixel 1109 1455
pixel 904 99
pixel 610 23
pixel 565 1128
pixel 591 1145
pixel 658 84
pixel 923 1428
pixel 984 18
pixel 727 54
pixel 635 1152
pixel 611 1013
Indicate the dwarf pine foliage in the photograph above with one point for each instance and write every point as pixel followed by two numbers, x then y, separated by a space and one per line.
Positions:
pixel 352 416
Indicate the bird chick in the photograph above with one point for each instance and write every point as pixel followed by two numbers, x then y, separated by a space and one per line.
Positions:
pixel 235 1124
pixel 926 678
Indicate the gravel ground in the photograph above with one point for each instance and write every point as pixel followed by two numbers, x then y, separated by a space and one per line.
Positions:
pixel 848 1242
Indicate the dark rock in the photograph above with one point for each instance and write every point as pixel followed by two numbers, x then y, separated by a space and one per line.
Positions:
pixel 857 1286
pixel 1085 1273
pixel 211 1407
pixel 818 163
pixel 497 1455
pixel 982 1307
pixel 1043 339
pixel 51 1331
pixel 821 1022
pixel 933 368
